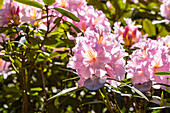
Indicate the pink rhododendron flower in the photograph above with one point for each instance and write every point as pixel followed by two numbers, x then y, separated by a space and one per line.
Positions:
pixel 30 14
pixel 90 17
pixel 91 60
pixel 150 58
pixel 164 40
pixel 9 15
pixel 14 13
pixel 4 67
pixel 165 9
pixel 98 53
pixel 128 35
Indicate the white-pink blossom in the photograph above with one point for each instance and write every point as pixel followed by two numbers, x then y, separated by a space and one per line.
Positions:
pixel 165 9
pixel 152 57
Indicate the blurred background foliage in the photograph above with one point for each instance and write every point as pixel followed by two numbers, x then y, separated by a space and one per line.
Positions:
pixel 40 82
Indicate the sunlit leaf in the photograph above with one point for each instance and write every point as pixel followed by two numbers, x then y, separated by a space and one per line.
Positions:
pixel 149 27
pixel 30 3
pixel 49 2
pixel 74 78
pixel 36 89
pixel 1 3
pixel 75 27
pixel 138 92
pixel 163 107
pixel 65 91
pixel 67 13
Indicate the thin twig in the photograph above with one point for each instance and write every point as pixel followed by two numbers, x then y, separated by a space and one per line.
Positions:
pixel 108 107
pixel 45 93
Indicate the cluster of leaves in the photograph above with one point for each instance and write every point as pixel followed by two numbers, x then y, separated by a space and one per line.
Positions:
pixel 39 81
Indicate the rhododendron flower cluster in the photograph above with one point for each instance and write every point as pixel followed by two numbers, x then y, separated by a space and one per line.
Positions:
pixel 97 53
pixel 128 35
pixel 9 15
pixel 150 58
pixel 13 13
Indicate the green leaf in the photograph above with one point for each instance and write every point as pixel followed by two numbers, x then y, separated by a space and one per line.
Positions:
pixel 94 102
pixel 30 3
pixel 36 89
pixel 49 2
pixel 1 3
pixel 163 107
pixel 73 78
pixel 69 70
pixel 162 73
pixel 65 91
pixel 3 29
pixel 75 27
pixel 67 13
pixel 140 93
pixel 162 98
pixel 149 27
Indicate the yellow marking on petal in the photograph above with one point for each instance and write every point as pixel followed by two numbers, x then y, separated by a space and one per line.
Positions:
pixel 79 3
pixel 168 8
pixel 141 73
pixel 156 66
pixel 145 54
pixel 83 27
pixel 100 39
pixel 63 3
pixel 1 62
pixel 96 21
pixel 34 13
pixel 91 55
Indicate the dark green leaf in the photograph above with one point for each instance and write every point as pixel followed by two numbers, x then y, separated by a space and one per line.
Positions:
pixel 162 73
pixel 67 13
pixel 30 3
pixel 75 27
pixel 3 29
pixel 49 2
pixel 94 102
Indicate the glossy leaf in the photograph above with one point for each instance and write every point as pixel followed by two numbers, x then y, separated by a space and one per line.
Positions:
pixel 49 2
pixel 137 91
pixel 163 107
pixel 67 13
pixel 65 91
pixel 30 3
pixel 149 27
pixel 75 27
pixel 162 73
